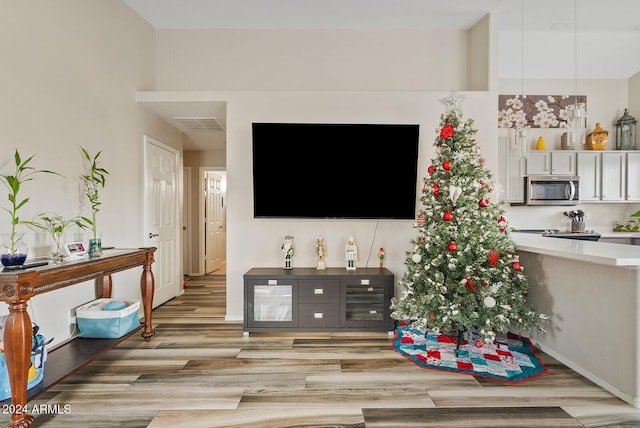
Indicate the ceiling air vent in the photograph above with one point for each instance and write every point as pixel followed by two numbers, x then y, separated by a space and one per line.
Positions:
pixel 198 124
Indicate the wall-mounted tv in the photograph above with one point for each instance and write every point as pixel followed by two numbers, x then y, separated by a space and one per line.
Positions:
pixel 319 170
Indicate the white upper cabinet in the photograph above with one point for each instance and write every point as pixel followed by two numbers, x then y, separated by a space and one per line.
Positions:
pixel 563 163
pixel 589 169
pixel 510 173
pixel 633 176
pixel 614 170
pixel 540 162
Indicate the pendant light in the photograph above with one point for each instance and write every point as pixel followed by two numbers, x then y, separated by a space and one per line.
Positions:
pixel 521 131
pixel 577 121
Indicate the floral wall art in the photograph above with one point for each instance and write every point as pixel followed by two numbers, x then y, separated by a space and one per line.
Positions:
pixel 535 111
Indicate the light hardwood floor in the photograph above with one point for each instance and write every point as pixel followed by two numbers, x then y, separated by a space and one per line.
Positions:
pixel 200 371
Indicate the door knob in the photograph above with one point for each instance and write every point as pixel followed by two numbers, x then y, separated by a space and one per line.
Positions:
pixel 153 235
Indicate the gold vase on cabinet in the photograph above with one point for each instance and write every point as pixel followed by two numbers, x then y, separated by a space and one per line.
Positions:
pixel 598 138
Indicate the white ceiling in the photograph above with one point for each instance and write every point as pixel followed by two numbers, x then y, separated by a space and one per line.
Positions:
pixel 606 43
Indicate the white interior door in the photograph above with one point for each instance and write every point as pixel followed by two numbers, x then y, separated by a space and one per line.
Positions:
pixel 186 220
pixel 214 222
pixel 161 219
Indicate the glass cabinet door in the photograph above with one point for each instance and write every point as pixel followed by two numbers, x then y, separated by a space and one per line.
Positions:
pixel 271 305
pixel 365 304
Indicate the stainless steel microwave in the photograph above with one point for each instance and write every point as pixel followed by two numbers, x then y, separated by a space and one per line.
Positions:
pixel 552 190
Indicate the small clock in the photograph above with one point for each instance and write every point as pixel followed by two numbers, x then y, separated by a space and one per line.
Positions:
pixel 73 249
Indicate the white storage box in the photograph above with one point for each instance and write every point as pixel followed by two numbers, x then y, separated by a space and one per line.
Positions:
pixel 107 318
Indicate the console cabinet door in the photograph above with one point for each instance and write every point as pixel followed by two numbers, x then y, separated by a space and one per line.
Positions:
pixel 271 303
pixel 589 171
pixel 365 303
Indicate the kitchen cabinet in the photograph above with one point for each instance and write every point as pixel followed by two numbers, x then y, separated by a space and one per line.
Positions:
pixel 563 163
pixel 633 176
pixel 589 169
pixel 538 163
pixel 555 163
pixel 514 190
pixel 511 171
pixel 614 172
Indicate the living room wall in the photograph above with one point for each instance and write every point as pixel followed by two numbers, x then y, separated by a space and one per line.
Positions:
pixel 321 76
pixel 70 71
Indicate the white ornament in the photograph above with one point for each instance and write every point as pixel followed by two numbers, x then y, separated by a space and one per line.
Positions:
pixel 489 302
pixel 416 258
pixel 454 193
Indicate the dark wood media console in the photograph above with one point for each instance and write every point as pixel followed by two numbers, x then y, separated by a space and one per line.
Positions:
pixel 17 287
pixel 306 299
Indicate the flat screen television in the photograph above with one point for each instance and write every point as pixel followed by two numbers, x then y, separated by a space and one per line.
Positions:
pixel 350 171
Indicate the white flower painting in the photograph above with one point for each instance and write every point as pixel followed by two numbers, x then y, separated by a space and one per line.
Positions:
pixel 535 111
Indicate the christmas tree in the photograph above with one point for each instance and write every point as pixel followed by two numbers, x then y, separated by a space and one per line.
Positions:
pixel 463 273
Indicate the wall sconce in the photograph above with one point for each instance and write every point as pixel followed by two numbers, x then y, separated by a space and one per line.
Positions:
pixel 626 132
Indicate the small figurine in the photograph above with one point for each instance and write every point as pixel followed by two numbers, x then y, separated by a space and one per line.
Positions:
pixel 321 251
pixel 351 254
pixel 381 257
pixel 287 249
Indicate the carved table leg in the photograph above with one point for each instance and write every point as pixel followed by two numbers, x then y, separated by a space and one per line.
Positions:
pixel 147 288
pixel 18 334
pixel 103 287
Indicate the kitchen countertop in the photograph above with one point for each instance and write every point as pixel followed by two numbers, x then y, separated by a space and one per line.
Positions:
pixel 609 234
pixel 587 251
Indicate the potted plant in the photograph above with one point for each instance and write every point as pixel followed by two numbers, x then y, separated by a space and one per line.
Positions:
pixel 14 252
pixel 631 225
pixel 94 179
pixel 56 225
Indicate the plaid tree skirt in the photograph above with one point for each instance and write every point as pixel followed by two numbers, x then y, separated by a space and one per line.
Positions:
pixel 509 359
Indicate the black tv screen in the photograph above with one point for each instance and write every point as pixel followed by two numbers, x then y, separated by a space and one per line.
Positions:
pixel 359 171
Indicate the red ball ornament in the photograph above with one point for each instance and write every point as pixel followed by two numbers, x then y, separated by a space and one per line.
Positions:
pixel 448 216
pixel 446 165
pixel 484 202
pixel 452 246
pixel 446 131
pixel 436 189
pixel 431 169
pixel 516 265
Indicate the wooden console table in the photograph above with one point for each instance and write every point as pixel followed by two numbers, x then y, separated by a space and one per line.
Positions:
pixel 17 287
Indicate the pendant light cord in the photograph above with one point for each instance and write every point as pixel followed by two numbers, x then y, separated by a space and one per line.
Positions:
pixel 575 48
pixel 522 49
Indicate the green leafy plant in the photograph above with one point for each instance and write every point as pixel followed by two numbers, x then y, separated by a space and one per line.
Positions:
pixel 94 179
pixel 23 172
pixel 55 225
pixel 631 225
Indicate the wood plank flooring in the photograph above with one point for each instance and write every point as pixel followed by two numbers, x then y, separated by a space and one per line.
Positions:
pixel 200 371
